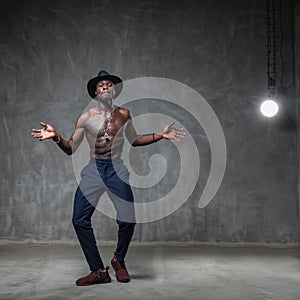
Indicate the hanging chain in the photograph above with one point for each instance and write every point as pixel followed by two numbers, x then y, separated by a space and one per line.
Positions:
pixel 271 47
pixel 108 127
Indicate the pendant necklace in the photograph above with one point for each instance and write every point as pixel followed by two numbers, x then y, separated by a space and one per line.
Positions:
pixel 108 128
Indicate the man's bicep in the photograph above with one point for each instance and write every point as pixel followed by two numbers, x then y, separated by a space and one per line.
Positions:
pixel 130 132
pixel 78 134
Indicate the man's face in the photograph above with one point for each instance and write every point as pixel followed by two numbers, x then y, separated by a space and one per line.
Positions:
pixel 105 89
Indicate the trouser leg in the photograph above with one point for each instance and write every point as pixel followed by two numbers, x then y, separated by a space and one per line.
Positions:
pixel 121 195
pixel 83 211
pixel 125 234
pixel 86 198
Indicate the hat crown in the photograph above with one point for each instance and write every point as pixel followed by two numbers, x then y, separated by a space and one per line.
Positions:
pixel 103 73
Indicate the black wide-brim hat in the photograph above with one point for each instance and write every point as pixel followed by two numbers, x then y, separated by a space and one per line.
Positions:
pixel 103 75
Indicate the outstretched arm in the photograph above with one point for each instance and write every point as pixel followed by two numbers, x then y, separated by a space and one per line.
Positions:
pixel 68 146
pixel 168 132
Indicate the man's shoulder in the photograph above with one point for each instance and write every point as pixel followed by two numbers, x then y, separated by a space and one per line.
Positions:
pixel 85 116
pixel 124 111
pixel 90 112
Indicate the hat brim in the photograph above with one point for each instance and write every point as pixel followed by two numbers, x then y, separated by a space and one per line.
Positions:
pixel 92 83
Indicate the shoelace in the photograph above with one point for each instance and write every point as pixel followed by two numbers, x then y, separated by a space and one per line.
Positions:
pixel 99 274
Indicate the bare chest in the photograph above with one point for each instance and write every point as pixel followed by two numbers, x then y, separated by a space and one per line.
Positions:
pixel 99 125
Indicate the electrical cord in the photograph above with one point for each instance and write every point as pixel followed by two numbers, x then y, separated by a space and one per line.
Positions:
pixel 281 46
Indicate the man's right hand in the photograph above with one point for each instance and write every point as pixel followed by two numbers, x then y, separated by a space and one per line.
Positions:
pixel 47 132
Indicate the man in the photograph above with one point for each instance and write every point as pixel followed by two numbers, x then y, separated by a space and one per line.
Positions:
pixel 103 126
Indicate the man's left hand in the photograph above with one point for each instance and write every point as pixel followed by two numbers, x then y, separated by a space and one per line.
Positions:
pixel 172 133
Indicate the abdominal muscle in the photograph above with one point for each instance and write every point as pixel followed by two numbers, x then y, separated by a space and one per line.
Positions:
pixel 101 148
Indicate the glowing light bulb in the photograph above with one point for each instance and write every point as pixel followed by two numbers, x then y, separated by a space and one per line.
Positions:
pixel 269 108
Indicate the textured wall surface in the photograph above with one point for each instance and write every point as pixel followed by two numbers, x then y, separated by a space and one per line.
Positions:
pixel 297 80
pixel 50 49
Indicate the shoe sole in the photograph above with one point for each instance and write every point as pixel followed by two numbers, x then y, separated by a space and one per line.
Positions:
pixel 123 280
pixel 92 283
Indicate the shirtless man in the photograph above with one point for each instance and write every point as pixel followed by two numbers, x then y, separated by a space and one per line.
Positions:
pixel 103 127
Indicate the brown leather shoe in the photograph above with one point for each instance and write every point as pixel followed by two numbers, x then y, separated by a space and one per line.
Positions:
pixel 120 268
pixel 95 277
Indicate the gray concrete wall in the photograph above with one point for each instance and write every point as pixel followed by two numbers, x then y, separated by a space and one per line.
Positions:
pixel 50 49
pixel 297 87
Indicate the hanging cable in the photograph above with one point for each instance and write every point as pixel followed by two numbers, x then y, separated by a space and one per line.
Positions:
pixel 281 45
pixel 271 48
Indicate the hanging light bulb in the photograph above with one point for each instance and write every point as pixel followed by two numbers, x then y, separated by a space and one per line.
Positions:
pixel 269 108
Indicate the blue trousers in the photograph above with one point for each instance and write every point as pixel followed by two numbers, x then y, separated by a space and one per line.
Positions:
pixel 98 176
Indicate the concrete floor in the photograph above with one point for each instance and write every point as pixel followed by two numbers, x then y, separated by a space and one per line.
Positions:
pixel 49 272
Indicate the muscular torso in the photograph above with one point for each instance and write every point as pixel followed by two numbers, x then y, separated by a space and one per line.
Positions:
pixel 95 124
